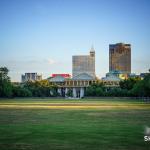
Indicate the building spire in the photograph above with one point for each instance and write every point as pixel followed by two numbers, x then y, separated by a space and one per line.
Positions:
pixel 92 49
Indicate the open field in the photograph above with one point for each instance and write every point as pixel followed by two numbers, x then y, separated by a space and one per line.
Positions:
pixel 57 124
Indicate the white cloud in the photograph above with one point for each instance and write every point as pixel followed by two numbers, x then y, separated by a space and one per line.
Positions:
pixel 51 61
pixel 44 66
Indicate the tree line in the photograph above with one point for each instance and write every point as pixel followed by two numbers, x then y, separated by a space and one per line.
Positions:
pixel 27 89
pixel 129 87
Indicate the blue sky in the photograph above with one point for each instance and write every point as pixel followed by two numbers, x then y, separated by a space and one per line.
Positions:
pixel 42 35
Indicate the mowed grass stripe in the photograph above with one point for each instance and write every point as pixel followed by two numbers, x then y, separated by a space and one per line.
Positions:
pixel 74 104
pixel 63 106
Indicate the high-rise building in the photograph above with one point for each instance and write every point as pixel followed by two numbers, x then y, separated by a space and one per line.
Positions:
pixel 31 77
pixel 120 57
pixel 84 64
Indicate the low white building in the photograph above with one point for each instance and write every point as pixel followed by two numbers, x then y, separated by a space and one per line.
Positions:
pixel 31 77
pixel 76 85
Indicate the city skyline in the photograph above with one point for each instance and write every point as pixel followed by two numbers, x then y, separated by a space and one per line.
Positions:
pixel 42 36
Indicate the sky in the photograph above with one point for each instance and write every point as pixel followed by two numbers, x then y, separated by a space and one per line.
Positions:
pixel 42 35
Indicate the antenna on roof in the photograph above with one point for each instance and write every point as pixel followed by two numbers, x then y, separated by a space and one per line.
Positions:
pixel 92 51
pixel 92 48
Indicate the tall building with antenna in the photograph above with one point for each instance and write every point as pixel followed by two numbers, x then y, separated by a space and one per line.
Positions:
pixel 84 64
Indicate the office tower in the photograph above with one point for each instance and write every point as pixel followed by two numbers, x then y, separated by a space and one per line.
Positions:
pixel 84 64
pixel 120 57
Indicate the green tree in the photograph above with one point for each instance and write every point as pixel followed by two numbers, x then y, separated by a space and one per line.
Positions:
pixel 129 83
pixel 96 89
pixel 69 93
pixel 117 92
pixel 41 88
pixel 99 91
pixel 142 88
pixel 5 84
pixel 19 91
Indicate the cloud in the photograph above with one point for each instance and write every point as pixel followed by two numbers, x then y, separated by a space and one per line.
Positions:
pixel 44 66
pixel 29 65
pixel 51 61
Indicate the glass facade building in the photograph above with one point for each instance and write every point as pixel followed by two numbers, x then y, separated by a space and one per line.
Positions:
pixel 120 57
pixel 84 64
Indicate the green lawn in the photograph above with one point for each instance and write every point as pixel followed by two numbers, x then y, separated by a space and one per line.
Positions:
pixel 57 124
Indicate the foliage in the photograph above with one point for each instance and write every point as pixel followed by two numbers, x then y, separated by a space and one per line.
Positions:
pixel 128 87
pixel 116 92
pixel 69 93
pixel 53 91
pixel 142 88
pixel 43 88
pixel 100 90
pixel 95 90
pixel 129 83
pixel 5 84
pixel 19 91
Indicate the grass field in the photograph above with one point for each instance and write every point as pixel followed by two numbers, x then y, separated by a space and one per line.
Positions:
pixel 57 124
